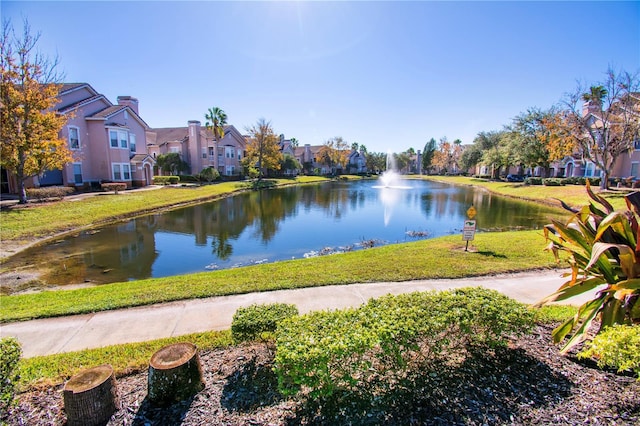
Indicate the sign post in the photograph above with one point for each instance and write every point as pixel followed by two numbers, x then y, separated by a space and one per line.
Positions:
pixel 469 228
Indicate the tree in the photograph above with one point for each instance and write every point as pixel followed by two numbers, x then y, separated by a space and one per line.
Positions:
pixel 263 149
pixel 335 152
pixel 602 121
pixel 427 154
pixel 376 161
pixel 172 163
pixel 529 142
pixel 289 162
pixel 470 157
pixel 294 142
pixel 28 123
pixel 216 120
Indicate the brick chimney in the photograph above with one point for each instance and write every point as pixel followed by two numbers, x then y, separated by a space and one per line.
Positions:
pixel 129 101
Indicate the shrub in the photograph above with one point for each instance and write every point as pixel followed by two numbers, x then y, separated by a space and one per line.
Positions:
pixel 533 181
pixel 574 180
pixel 616 347
pixel 188 179
pixel 259 321
pixel 166 180
pixel 49 192
pixel 10 352
pixel 114 186
pixel 552 182
pixel 601 244
pixel 369 350
pixel 208 174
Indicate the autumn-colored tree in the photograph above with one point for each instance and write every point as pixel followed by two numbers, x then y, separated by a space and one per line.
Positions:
pixel 29 126
pixel 216 120
pixel 263 148
pixel 334 152
pixel 603 122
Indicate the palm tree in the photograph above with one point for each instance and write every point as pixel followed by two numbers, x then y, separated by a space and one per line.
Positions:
pixel 596 95
pixel 216 120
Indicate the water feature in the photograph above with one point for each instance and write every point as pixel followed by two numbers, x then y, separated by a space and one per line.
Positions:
pixel 267 226
pixel 391 183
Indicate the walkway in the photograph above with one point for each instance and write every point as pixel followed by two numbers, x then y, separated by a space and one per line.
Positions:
pixel 73 333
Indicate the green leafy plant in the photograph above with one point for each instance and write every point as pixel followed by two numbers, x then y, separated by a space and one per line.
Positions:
pixel 369 350
pixel 603 251
pixel 10 353
pixel 617 347
pixel 259 321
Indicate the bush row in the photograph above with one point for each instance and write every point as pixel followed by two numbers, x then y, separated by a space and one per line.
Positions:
pixel 10 353
pixel 259 322
pixel 166 180
pixel 49 192
pixel 366 351
pixel 575 180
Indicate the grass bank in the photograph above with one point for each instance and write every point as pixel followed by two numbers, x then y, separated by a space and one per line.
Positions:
pixel 21 225
pixel 573 195
pixel 443 257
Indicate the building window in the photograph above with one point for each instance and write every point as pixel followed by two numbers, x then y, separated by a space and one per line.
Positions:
pixel 118 139
pixel 122 136
pixel 635 167
pixel 113 137
pixel 117 175
pixel 74 138
pixel 204 152
pixel 121 171
pixel 239 155
pixel 77 173
pixel 132 142
pixel 636 144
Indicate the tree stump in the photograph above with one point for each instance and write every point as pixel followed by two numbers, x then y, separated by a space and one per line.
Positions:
pixel 175 374
pixel 90 397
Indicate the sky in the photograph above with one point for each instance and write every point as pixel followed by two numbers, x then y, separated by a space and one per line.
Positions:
pixel 387 75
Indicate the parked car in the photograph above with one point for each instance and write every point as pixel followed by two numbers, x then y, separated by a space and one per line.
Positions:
pixel 515 178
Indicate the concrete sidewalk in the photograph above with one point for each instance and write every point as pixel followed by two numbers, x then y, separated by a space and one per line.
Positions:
pixel 73 333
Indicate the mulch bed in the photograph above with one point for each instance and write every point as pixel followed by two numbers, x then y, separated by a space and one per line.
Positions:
pixel 527 384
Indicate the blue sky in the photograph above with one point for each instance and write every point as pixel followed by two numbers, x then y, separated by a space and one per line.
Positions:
pixel 389 75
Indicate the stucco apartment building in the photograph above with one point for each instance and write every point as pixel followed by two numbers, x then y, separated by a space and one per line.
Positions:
pixel 108 142
pixel 197 147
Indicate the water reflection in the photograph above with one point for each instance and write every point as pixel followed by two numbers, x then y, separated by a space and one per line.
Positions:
pixel 272 225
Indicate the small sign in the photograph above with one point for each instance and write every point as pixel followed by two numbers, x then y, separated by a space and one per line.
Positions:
pixel 471 213
pixel 469 230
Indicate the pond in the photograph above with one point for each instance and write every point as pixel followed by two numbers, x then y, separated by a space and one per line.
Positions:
pixel 272 225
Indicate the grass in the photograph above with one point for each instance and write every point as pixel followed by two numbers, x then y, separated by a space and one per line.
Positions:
pixel 125 359
pixel 574 195
pixel 134 357
pixel 436 258
pixel 22 225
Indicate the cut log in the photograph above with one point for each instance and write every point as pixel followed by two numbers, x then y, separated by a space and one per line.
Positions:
pixel 90 397
pixel 175 374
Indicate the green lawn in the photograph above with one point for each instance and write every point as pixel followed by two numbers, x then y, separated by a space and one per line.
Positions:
pixel 573 195
pixel 42 220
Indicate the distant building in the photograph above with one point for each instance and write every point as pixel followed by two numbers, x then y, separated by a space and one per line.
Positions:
pixel 198 148
pixel 108 142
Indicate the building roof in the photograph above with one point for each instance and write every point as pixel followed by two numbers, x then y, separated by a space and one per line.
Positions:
pixel 71 107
